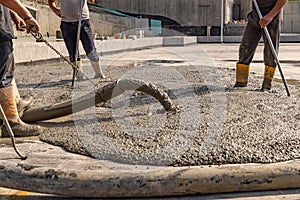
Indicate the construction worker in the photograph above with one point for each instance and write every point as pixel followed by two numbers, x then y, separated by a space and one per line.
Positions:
pixel 272 18
pixel 10 99
pixel 69 13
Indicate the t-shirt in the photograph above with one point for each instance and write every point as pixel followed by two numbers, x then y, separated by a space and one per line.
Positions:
pixel 266 6
pixel 70 10
pixel 266 3
pixel 5 21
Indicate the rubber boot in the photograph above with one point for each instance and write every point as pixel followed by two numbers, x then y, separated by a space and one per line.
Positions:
pixel 79 75
pixel 242 74
pixel 97 68
pixel 268 78
pixel 22 104
pixel 20 129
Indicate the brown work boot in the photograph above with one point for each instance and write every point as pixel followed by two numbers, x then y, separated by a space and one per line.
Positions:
pixel 242 74
pixel 20 129
pixel 268 78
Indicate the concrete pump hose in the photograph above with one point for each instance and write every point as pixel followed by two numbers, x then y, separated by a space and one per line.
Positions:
pixel 93 98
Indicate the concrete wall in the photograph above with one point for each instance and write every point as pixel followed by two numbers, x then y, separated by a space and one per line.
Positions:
pixel 291 18
pixel 291 15
pixel 184 12
pixel 192 15
pixel 246 6
pixel 102 24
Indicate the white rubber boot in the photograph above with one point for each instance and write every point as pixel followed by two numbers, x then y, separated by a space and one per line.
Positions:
pixel 97 68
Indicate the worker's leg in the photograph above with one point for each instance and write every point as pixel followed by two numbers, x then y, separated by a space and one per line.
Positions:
pixel 269 59
pixel 69 32
pixel 250 40
pixel 8 95
pixel 89 46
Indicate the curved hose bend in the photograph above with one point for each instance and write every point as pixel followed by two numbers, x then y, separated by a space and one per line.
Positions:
pixel 93 98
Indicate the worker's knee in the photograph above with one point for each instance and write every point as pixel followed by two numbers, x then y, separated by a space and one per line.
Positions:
pixel 93 56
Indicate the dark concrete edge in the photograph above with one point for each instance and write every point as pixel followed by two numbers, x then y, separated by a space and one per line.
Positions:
pixel 169 181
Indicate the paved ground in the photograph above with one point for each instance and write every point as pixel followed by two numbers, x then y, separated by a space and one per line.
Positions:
pixel 9 194
pixel 223 55
pixel 227 54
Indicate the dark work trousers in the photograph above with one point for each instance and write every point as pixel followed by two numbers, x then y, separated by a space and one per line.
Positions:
pixel 7 63
pixel 252 36
pixel 69 33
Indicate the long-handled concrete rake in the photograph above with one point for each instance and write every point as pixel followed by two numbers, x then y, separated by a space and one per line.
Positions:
pixel 10 132
pixel 75 71
pixel 272 48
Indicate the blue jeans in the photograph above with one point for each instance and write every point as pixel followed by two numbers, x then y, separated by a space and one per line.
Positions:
pixel 69 33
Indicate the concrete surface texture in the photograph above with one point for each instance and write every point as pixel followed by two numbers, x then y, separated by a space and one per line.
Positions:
pixel 218 58
pixel 254 129
pixel 48 169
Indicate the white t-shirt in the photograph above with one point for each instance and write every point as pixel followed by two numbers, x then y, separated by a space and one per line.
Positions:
pixel 70 10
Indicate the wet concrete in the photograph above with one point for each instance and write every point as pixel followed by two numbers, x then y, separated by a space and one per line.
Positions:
pixel 49 169
pixel 216 125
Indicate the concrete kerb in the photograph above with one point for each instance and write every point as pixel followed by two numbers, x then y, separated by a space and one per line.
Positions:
pixel 50 170
pixel 29 51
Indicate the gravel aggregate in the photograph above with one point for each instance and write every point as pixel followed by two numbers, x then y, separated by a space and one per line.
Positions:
pixel 215 124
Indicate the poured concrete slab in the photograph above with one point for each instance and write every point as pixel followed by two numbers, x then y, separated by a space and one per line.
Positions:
pixel 141 177
pixel 49 169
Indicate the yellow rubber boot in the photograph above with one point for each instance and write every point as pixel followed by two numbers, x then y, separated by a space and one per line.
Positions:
pixel 22 104
pixel 268 78
pixel 242 74
pixel 20 129
pixel 97 68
